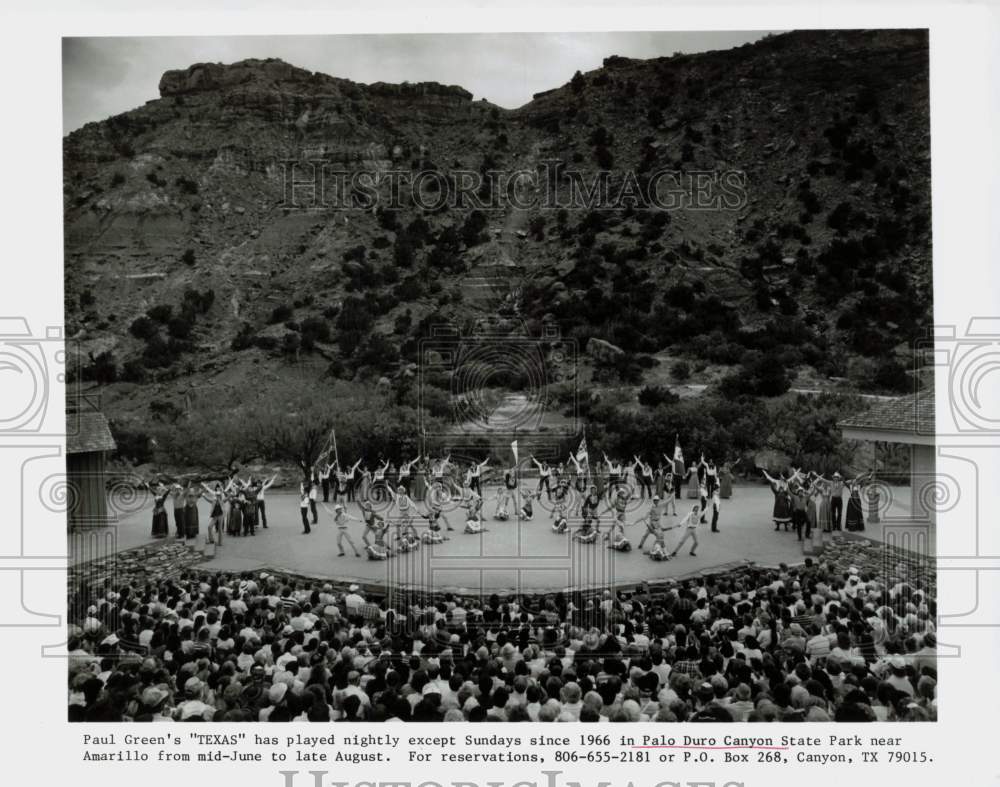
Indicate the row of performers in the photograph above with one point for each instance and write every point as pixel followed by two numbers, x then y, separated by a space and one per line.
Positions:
pixel 809 501
pixel 418 476
pixel 236 508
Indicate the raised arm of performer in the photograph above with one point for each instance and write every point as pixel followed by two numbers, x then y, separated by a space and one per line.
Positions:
pixel 768 476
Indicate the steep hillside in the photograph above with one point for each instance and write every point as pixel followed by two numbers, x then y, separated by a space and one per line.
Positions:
pixel 191 264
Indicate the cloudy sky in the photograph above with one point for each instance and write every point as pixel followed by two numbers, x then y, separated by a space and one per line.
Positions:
pixel 106 76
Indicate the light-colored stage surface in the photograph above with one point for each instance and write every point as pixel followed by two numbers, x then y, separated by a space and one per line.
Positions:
pixel 511 555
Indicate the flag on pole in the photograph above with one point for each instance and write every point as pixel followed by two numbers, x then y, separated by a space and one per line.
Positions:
pixel 513 447
pixel 581 452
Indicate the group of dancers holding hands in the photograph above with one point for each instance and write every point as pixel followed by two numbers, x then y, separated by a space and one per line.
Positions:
pixel 236 507
pixel 394 499
pixel 811 502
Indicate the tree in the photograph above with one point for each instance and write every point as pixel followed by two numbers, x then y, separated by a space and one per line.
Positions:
pixel 296 422
pixel 213 435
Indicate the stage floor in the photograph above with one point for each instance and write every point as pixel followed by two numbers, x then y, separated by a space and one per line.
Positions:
pixel 511 555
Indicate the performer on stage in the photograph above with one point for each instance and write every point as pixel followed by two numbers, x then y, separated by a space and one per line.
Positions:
pixel 588 509
pixel 476 475
pixel 438 491
pixel 379 489
pixel 161 527
pixel 403 505
pixel 234 516
pixel 313 497
pixel 262 487
pixel 837 501
pixel 782 512
pixel 644 475
pixel 473 505
pixel 342 519
pixel 716 508
pixel 693 479
pixel 711 476
pixel 374 523
pixel 324 479
pixel 652 521
pixel 215 497
pixel 434 517
pixel 527 496
pixel 586 533
pixel 405 473
pixel 179 498
pixel 855 512
pixel 379 550
pixel 304 509
pixel 800 510
pixel 507 494
pixel 544 477
pixel 690 525
pixel 619 505
pixel 560 523
pixel 350 477
pixel 616 538
pixel 191 495
pixel 703 487
pixel 659 551
pixel 614 477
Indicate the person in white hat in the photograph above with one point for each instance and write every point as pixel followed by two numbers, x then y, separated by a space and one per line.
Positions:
pixel 837 501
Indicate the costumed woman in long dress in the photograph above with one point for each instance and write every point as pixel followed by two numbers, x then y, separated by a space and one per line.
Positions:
pixel 177 493
pixel 234 520
pixel 192 496
pixel 823 519
pixel 725 481
pixel 161 527
pixel 249 511
pixel 693 479
pixel 855 511
pixel 420 480
pixel 782 512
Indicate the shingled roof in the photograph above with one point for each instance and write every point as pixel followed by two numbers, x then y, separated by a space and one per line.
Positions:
pixel 88 431
pixel 913 414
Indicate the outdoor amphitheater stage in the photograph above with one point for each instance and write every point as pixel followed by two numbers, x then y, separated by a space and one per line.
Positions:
pixel 513 555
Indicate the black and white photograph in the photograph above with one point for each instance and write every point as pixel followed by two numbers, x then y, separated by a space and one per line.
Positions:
pixel 498 377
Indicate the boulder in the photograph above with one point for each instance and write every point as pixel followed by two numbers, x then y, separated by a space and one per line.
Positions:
pixel 600 350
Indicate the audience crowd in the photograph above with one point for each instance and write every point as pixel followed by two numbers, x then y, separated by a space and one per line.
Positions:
pixel 815 643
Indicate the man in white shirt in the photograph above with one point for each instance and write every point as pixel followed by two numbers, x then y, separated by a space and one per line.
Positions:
pixel 690 525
